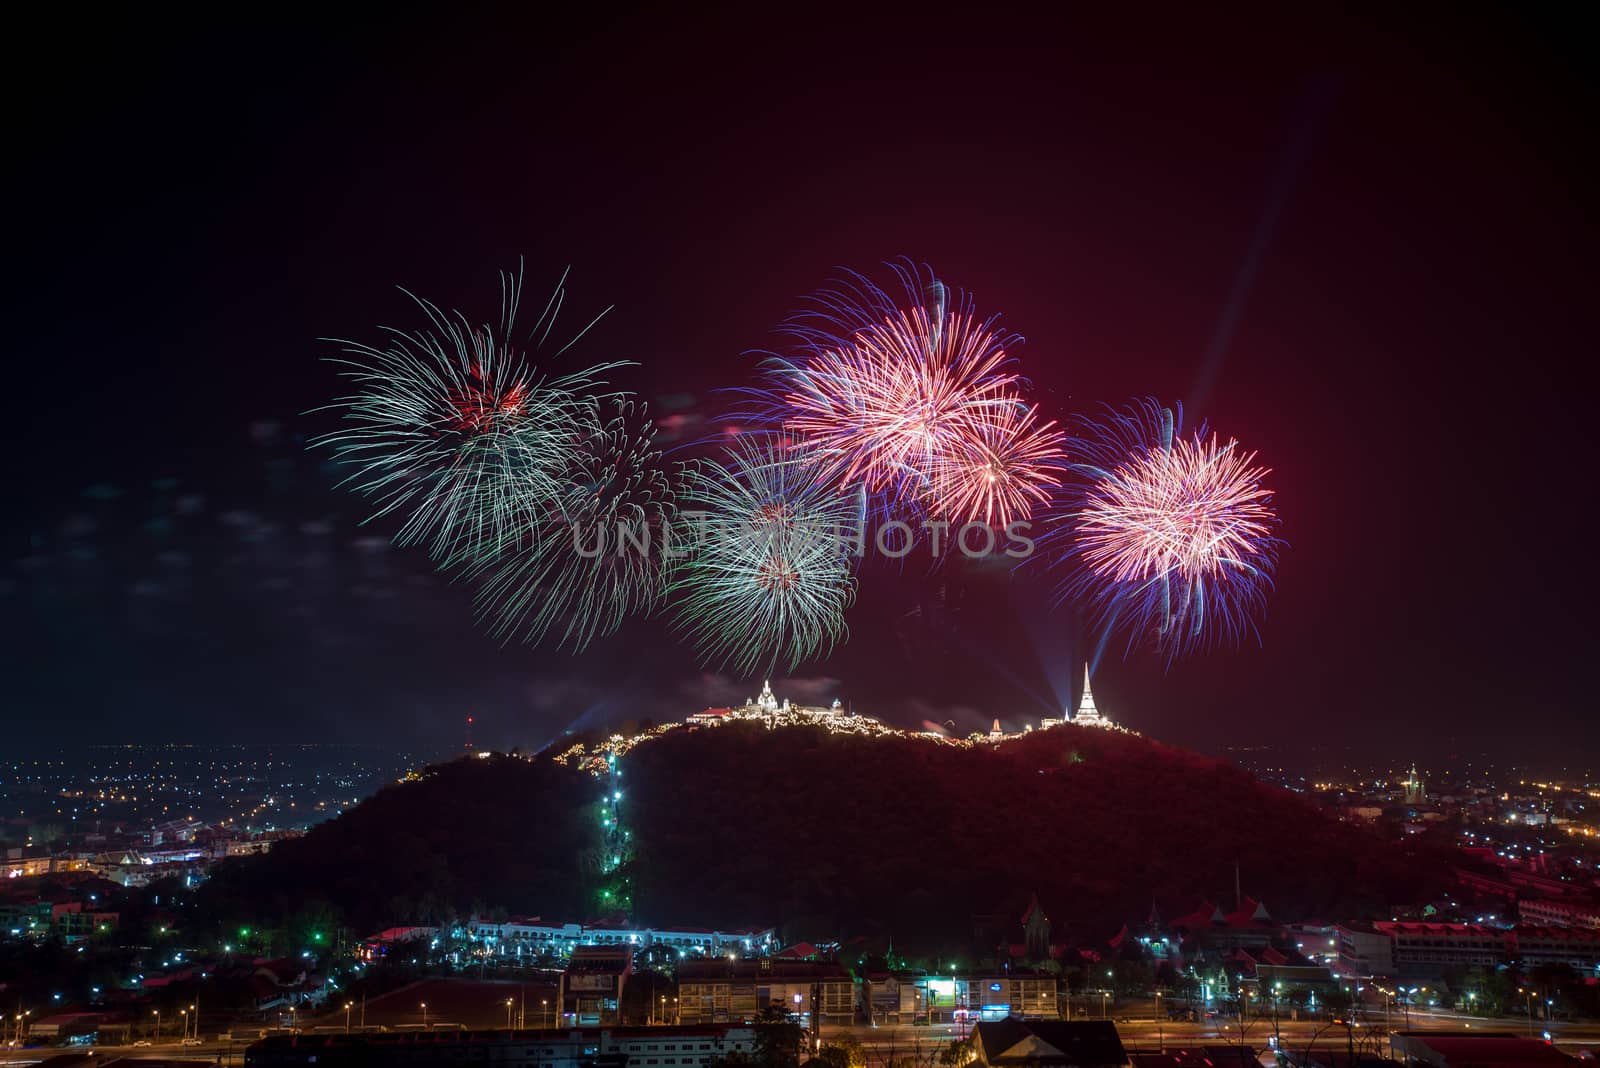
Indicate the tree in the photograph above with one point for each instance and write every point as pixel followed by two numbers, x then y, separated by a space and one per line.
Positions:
pixel 777 1045
pixel 957 1054
pixel 844 1052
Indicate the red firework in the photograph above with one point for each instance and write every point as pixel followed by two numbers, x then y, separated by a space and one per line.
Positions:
pixel 486 393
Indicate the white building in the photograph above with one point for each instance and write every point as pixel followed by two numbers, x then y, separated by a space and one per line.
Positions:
pixel 530 936
pixel 1088 715
pixel 767 710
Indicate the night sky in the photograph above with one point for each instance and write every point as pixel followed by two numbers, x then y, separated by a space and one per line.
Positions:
pixel 1365 249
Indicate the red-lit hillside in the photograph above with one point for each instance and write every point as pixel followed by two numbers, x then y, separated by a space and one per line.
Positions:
pixel 905 835
pixel 833 834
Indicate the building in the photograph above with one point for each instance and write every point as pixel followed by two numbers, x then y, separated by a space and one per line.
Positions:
pixel 635 1047
pixel 1248 926
pixel 1316 941
pixel 1579 947
pixel 591 987
pixel 892 998
pixel 1012 1043
pixel 1365 950
pixel 74 923
pixel 1283 978
pixel 1560 912
pixel 379 945
pixel 1456 1048
pixel 766 709
pixel 1414 792
pixel 530 936
pixel 68 1028
pixel 24 867
pixel 1088 715
pixel 1014 993
pixel 174 831
pixel 1427 949
pixel 738 991
pixel 25 919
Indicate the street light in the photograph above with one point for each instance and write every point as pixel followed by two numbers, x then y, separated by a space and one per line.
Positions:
pixel 22 1019
pixel 1161 1041
pixel 347 1007
pixel 157 1014
pixel 509 1003
pixel 424 1006
pixel 1277 1034
pixel 543 1003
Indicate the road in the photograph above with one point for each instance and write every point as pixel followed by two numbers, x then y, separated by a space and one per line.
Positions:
pixel 1139 1029
pixel 207 1053
pixel 1135 1023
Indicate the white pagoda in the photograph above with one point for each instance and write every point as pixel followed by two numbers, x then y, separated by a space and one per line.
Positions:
pixel 1087 715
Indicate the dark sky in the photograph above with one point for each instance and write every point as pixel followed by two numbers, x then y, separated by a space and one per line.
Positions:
pixel 1364 248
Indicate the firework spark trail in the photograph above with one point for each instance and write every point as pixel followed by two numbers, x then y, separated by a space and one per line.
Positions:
pixel 909 398
pixel 1191 511
pixel 769 576
pixel 1003 472
pixel 453 431
pixel 897 398
pixel 1166 537
pixel 599 555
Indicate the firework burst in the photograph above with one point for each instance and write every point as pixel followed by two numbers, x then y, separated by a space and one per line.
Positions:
pixel 1002 471
pixel 1172 537
pixel 597 553
pixel 451 429
pixel 768 576
pixel 908 397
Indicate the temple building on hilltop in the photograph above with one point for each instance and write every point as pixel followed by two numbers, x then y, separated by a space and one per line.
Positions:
pixel 1088 715
pixel 766 707
pixel 1415 794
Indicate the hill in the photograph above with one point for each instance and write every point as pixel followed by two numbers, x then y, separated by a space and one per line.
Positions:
pixel 832 834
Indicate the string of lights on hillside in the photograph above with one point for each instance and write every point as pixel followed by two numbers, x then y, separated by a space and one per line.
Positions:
pixel 599 758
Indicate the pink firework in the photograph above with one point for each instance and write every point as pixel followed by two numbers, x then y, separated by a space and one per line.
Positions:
pixel 1192 514
pixel 897 398
pixel 1001 471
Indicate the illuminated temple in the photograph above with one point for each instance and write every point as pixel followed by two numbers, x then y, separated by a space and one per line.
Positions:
pixel 599 756
pixel 1088 715
pixel 766 708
